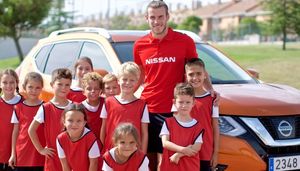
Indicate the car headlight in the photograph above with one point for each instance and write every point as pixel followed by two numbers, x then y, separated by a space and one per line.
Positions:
pixel 229 126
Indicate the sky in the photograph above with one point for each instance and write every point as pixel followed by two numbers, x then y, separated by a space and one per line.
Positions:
pixel 85 8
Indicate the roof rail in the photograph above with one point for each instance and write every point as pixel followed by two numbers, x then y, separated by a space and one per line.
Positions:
pixel 100 31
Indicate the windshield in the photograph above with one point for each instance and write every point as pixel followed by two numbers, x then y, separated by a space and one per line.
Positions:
pixel 220 68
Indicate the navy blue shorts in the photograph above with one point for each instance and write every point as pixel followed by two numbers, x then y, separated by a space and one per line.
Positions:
pixel 155 125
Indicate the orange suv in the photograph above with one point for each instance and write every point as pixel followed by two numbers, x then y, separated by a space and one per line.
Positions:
pixel 259 122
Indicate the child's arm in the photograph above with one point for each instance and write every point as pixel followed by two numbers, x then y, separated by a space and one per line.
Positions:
pixel 188 151
pixel 176 157
pixel 15 133
pixel 144 137
pixel 93 164
pixel 216 134
pixel 102 131
pixel 35 140
pixel 64 164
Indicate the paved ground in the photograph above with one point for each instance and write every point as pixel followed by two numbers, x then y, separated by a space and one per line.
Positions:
pixel 8 48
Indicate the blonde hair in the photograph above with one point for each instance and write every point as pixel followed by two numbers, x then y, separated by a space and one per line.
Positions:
pixel 124 129
pixel 184 89
pixel 92 76
pixel 109 78
pixel 12 73
pixel 129 68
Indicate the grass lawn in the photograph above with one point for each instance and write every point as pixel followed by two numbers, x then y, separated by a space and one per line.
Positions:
pixel 273 64
pixel 9 63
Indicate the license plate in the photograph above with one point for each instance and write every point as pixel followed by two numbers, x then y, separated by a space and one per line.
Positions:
pixel 284 163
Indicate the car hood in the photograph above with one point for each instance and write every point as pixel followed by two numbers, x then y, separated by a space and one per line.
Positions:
pixel 258 99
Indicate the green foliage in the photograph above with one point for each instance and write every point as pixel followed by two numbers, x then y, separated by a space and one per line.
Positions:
pixel 249 25
pixel 172 25
pixel 191 23
pixel 17 16
pixel 120 22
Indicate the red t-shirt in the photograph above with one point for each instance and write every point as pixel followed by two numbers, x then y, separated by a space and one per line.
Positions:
pixel 163 63
pixel 117 113
pixel 52 128
pixel 202 112
pixel 76 95
pixel 132 164
pixel 6 129
pixel 77 152
pixel 182 136
pixel 27 155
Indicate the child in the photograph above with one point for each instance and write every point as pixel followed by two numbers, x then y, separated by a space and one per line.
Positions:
pixel 82 66
pixel 206 113
pixel 125 155
pixel 24 156
pixel 92 88
pixel 8 87
pixel 111 86
pixel 125 108
pixel 77 146
pixel 181 134
pixel 49 114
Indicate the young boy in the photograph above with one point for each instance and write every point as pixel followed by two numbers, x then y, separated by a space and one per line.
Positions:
pixel 49 114
pixel 206 113
pixel 111 86
pixel 125 107
pixel 181 134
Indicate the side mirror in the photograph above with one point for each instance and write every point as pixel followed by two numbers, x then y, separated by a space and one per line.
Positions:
pixel 253 72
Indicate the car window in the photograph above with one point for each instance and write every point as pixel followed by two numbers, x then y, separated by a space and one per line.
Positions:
pixel 97 55
pixel 221 69
pixel 41 57
pixel 62 55
pixel 124 51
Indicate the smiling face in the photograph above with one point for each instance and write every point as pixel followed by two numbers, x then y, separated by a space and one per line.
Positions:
pixel 61 87
pixel 82 68
pixel 74 123
pixel 195 75
pixel 157 19
pixel 126 145
pixel 92 90
pixel 8 85
pixel 127 83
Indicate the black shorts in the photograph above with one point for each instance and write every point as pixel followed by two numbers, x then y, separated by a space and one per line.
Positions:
pixel 156 122
pixel 205 165
pixel 33 168
pixel 5 167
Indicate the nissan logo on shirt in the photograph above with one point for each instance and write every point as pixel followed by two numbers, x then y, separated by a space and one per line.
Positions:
pixel 285 128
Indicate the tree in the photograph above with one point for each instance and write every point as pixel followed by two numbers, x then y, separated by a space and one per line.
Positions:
pixel 17 16
pixel 191 23
pixel 285 17
pixel 120 22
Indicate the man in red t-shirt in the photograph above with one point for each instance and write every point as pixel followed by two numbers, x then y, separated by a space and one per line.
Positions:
pixel 161 55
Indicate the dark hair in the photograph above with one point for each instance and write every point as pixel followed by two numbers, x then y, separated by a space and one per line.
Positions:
pixel 61 73
pixel 85 59
pixel 184 89
pixel 123 129
pixel 74 107
pixel 195 61
pixel 12 73
pixel 32 76
pixel 157 4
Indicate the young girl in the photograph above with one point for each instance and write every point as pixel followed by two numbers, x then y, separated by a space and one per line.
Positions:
pixel 125 155
pixel 82 66
pixel 77 146
pixel 8 87
pixel 181 135
pixel 23 154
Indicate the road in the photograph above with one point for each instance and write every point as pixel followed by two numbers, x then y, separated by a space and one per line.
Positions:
pixel 8 48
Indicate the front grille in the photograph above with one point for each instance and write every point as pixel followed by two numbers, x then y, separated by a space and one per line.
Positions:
pixel 283 127
pixel 283 150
